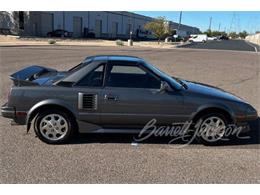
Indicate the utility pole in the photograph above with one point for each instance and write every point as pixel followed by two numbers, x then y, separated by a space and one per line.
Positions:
pixel 180 20
pixel 219 27
pixel 210 20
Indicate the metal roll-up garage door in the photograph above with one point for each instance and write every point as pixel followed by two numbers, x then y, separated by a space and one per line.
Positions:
pixel 98 28
pixel 77 26
pixel 114 29
pixel 46 23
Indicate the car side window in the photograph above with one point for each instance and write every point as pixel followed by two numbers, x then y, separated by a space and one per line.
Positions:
pixel 94 78
pixel 130 76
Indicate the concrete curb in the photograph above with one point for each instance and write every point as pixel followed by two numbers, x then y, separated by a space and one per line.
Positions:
pixel 184 44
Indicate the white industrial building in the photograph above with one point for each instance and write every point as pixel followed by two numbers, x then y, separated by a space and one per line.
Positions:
pixel 183 30
pixel 101 24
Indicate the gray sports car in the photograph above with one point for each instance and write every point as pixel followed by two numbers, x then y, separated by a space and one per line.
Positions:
pixel 117 94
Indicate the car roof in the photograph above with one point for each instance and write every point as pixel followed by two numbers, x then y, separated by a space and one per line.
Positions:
pixel 114 57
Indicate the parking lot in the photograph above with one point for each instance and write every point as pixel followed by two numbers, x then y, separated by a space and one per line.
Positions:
pixel 235 45
pixel 113 158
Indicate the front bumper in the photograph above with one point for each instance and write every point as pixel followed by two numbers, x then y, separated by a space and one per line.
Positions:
pixel 243 127
pixel 244 121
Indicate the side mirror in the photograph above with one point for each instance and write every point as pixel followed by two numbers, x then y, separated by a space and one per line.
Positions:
pixel 165 86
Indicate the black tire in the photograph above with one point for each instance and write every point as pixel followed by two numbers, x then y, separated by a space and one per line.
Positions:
pixel 199 123
pixel 71 126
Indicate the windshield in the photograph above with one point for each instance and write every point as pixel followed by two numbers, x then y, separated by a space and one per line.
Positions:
pixel 165 76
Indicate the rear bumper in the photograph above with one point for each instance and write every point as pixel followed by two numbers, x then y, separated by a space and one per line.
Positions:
pixel 19 117
pixel 8 112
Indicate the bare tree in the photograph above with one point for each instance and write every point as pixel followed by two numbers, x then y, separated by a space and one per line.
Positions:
pixel 8 23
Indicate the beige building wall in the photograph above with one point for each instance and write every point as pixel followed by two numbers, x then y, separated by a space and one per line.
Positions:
pixel 254 38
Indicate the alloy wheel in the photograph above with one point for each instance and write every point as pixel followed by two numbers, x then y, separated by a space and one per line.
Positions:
pixel 53 127
pixel 212 129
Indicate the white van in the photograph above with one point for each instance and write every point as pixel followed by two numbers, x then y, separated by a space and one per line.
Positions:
pixel 198 38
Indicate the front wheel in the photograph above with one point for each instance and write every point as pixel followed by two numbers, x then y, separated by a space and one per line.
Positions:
pixel 211 129
pixel 53 126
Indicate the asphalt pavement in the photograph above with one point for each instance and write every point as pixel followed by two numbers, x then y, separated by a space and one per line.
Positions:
pixel 117 158
pixel 236 45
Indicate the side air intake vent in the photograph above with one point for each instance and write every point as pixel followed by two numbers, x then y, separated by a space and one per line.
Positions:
pixel 87 101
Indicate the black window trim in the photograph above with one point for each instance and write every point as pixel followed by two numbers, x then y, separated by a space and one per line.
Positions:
pixel 138 64
pixel 103 63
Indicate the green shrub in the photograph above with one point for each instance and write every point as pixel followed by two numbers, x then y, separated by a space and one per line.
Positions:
pixel 119 42
pixel 51 41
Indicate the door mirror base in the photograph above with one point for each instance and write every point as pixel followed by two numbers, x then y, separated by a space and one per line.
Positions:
pixel 165 86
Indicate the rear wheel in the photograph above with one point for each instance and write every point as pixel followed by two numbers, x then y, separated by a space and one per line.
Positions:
pixel 54 126
pixel 211 128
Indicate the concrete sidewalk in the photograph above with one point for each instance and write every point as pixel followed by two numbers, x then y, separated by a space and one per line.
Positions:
pixel 17 41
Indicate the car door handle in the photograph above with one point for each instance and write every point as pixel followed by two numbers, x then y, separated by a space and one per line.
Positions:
pixel 111 98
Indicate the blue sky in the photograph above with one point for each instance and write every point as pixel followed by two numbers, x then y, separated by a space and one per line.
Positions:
pixel 236 21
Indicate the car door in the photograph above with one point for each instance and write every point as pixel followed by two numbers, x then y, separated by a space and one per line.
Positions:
pixel 132 97
pixel 88 91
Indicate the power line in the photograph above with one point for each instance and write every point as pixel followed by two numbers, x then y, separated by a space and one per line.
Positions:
pixel 232 23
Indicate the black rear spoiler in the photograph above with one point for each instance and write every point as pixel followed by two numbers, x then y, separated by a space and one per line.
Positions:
pixel 26 76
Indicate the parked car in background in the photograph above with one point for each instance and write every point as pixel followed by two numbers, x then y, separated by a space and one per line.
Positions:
pixel 174 38
pixel 199 38
pixel 115 94
pixel 59 33
pixel 212 38
pixel 223 37
pixel 90 35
